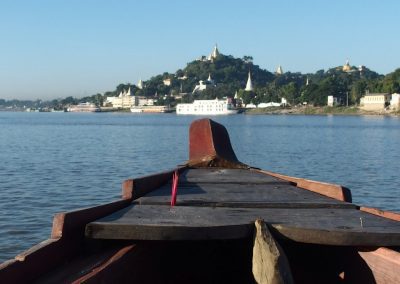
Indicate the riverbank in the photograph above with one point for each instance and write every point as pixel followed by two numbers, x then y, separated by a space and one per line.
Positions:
pixel 310 110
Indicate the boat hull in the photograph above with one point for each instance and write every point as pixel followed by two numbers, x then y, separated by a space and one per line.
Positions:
pixel 214 179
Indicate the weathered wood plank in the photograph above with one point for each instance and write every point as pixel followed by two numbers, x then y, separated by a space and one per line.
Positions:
pixel 320 226
pixel 384 264
pixel 328 189
pixel 135 188
pixel 234 195
pixel 238 188
pixel 219 175
pixel 386 214
pixel 87 266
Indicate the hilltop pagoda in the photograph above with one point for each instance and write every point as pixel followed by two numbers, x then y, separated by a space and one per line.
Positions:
pixel 249 84
pixel 279 70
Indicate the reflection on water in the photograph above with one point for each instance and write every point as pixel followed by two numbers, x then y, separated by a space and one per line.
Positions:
pixel 53 162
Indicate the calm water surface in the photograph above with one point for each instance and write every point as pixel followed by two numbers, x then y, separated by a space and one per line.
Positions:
pixel 54 162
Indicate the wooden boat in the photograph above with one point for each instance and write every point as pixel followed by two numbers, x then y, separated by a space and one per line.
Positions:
pixel 231 224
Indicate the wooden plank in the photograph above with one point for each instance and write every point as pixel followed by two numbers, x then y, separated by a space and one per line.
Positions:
pixel 384 264
pixel 238 188
pixel 86 266
pixel 38 260
pixel 327 189
pixel 236 195
pixel 219 175
pixel 73 223
pixel 96 275
pixel 135 188
pixel 320 226
pixel 386 214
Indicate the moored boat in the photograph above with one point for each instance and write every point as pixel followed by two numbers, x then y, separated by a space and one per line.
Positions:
pixel 216 219
pixel 207 107
pixel 151 109
pixel 84 107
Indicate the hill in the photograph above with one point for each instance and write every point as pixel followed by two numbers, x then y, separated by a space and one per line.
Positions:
pixel 229 75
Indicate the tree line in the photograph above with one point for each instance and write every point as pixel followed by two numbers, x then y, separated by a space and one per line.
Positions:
pixel 229 75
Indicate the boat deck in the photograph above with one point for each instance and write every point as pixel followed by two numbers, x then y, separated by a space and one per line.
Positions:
pixel 218 203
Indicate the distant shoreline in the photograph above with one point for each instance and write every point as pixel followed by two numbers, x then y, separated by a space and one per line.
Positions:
pixel 301 110
pixel 308 110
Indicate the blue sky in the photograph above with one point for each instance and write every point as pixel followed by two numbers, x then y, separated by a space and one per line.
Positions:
pixel 53 48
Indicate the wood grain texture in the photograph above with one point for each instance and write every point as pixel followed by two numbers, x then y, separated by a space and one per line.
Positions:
pixel 238 188
pixel 73 223
pixel 135 188
pixel 210 146
pixel 381 213
pixel 384 264
pixel 38 260
pixel 319 226
pixel 334 191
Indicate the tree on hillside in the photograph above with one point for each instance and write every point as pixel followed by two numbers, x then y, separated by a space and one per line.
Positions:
pixel 391 82
pixel 69 101
pixel 290 93
pixel 357 91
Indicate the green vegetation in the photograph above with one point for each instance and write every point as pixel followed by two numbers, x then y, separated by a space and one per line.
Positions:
pixel 230 75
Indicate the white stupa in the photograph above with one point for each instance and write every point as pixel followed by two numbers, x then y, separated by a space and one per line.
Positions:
pixel 140 84
pixel 279 70
pixel 209 79
pixel 128 93
pixel 346 67
pixel 214 54
pixel 249 84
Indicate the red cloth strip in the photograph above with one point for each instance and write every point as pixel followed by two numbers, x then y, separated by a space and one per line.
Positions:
pixel 175 178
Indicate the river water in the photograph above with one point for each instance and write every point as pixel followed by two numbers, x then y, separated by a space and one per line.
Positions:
pixel 54 162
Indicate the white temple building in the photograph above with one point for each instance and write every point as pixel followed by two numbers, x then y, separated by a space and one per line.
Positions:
pixel 332 101
pixel 204 85
pixel 375 101
pixel 140 84
pixel 348 68
pixel 167 82
pixel 395 102
pixel 279 70
pixel 199 87
pixel 249 84
pixel 214 54
pixel 125 99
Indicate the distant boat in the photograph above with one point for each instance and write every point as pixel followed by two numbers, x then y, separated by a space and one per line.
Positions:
pixel 151 109
pixel 136 109
pixel 207 107
pixel 84 107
